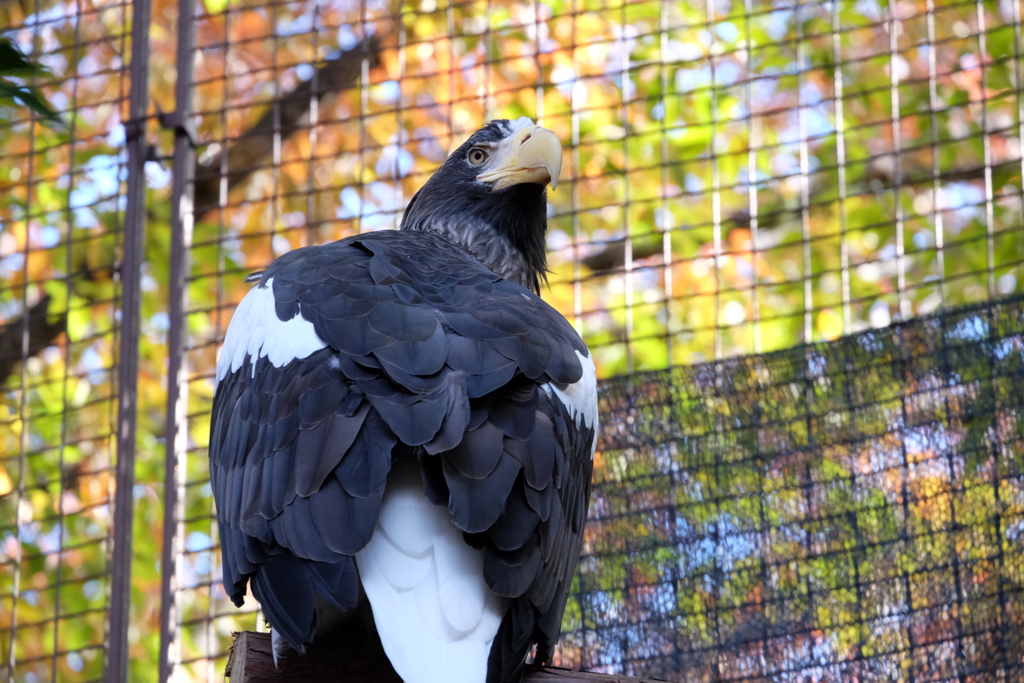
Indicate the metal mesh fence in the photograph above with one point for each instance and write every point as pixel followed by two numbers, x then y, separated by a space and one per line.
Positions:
pixel 848 511
pixel 740 177
pixel 62 198
pixel 717 200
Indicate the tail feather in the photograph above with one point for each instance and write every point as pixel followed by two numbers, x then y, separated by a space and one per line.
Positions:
pixel 285 593
pixel 337 583
pixel 287 588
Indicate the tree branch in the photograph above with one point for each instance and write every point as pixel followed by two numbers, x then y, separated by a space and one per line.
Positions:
pixel 244 156
pixel 252 148
pixel 879 177
pixel 41 333
pixel 251 661
pixel 613 256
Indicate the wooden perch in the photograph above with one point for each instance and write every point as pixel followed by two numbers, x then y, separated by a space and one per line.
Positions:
pixel 251 661
pixel 253 147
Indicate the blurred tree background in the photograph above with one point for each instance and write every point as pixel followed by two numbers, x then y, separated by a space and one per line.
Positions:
pixel 740 177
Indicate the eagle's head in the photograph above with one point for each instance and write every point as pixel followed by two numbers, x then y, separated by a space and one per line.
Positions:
pixel 490 197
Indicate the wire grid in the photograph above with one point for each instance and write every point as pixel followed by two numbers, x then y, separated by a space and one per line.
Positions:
pixel 739 177
pixel 61 198
pixel 847 511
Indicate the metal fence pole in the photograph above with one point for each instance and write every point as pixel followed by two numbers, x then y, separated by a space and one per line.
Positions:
pixel 128 362
pixel 182 220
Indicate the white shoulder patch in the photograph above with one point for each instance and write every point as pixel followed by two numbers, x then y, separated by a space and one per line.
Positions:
pixel 580 398
pixel 255 331
pixel 433 610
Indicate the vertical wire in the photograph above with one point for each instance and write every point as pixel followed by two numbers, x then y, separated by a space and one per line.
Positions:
pixel 897 162
pixel 536 63
pixel 848 370
pixel 128 359
pixel 399 124
pixel 364 97
pixel 718 533
pixel 115 303
pixel 449 13
pixel 999 506
pixel 577 239
pixel 222 210
pixel 762 463
pixel 69 286
pixel 987 144
pixel 627 232
pixel 312 223
pixel 667 223
pixel 805 186
pixel 276 228
pixel 998 473
pixel 667 227
pixel 716 196
pixel 222 184
pixel 1018 86
pixel 488 49
pixel 275 108
pixel 904 499
pixel 808 480
pixel 753 142
pixel 176 415
pixel 23 374
pixel 957 617
pixel 184 242
pixel 844 246
pixel 577 229
pixel 933 105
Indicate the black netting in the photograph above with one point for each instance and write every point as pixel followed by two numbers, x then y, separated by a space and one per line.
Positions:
pixel 846 511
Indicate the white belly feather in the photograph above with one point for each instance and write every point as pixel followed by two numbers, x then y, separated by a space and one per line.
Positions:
pixel 435 615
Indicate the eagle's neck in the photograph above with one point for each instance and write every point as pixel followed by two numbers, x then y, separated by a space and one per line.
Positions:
pixel 488 246
pixel 505 232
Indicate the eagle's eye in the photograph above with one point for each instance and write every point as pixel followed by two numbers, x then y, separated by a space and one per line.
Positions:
pixel 477 156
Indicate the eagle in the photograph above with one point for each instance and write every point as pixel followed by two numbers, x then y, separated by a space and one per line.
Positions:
pixel 402 428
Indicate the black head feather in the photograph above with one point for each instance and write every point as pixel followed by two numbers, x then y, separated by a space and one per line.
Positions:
pixel 504 229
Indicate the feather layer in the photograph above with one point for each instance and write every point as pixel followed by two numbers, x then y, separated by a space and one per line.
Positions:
pixel 434 612
pixel 386 348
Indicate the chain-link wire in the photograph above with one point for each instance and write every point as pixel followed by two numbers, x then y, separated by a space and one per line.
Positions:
pixel 847 511
pixel 740 177
pixel 71 206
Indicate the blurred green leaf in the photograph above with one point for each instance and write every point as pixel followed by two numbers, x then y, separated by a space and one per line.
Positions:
pixel 14 64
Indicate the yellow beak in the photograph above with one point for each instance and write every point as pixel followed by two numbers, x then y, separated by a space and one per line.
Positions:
pixel 536 158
